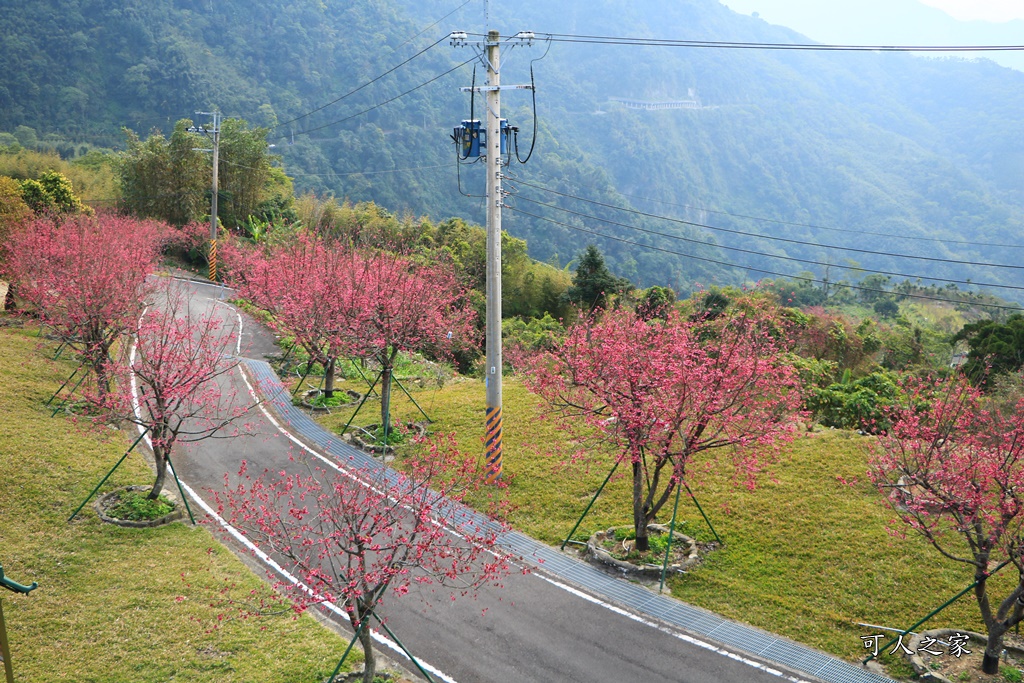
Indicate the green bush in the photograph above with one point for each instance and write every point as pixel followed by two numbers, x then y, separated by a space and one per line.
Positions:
pixel 856 404
pixel 135 506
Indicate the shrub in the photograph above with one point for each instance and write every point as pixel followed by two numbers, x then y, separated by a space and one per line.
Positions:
pixel 857 404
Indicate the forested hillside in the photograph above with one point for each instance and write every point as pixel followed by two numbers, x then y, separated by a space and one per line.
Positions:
pixel 879 152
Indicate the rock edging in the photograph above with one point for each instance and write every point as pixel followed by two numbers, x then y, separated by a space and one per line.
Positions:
pixel 926 674
pixel 598 555
pixel 104 502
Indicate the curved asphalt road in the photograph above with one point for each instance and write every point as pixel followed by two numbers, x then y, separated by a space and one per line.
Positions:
pixel 536 628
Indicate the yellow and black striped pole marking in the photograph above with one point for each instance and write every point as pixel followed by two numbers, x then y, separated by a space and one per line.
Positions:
pixel 213 260
pixel 493 445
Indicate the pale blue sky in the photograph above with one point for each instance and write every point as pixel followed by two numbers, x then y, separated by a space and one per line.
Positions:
pixel 964 10
pixel 986 10
pixel 900 22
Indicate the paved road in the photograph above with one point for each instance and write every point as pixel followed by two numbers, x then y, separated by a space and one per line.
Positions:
pixel 539 627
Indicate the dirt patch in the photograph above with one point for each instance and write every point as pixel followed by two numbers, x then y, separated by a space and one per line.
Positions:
pixel 955 656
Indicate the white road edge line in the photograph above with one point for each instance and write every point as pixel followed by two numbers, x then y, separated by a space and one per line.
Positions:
pixel 578 593
pixel 269 561
pixel 665 629
pixel 682 636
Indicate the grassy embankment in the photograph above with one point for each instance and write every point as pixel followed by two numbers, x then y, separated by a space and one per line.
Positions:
pixel 806 555
pixel 117 604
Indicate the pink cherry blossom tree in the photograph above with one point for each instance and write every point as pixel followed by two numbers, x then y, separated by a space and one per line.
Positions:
pixel 952 468
pixel 353 538
pixel 339 303
pixel 407 306
pixel 311 290
pixel 671 392
pixel 171 385
pixel 86 277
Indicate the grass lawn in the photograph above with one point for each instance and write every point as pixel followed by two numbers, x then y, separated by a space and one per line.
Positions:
pixel 806 555
pixel 119 604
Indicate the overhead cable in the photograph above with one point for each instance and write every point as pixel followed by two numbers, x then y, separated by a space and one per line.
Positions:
pixel 934 259
pixel 364 85
pixel 377 106
pixel 801 278
pixel 755 45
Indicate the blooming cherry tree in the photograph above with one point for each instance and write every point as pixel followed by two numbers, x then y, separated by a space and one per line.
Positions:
pixel 670 391
pixel 86 278
pixel 355 537
pixel 406 306
pixel 312 292
pixel 337 303
pixel 171 385
pixel 952 468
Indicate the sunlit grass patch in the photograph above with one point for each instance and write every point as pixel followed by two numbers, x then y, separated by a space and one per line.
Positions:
pixel 807 554
pixel 119 604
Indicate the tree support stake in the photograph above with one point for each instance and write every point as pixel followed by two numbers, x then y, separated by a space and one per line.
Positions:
pixel 365 378
pixel 72 393
pixel 404 648
pixel 309 369
pixel 360 406
pixel 184 498
pixel 66 382
pixel 351 644
pixel 695 502
pixel 5 647
pixel 103 481
pixel 591 504
pixel 934 612
pixel 671 530
pixel 402 387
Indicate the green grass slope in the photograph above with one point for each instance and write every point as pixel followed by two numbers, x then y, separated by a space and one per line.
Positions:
pixel 807 554
pixel 116 604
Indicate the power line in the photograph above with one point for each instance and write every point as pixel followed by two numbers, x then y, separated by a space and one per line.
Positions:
pixel 433 25
pixel 814 226
pixel 761 253
pixel 801 278
pixel 376 106
pixel 364 85
pixel 332 174
pixel 753 45
pixel 934 259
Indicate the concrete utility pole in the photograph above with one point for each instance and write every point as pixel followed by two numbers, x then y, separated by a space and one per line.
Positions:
pixel 493 134
pixel 494 201
pixel 214 134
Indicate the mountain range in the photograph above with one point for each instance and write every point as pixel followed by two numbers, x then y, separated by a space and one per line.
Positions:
pixel 767 162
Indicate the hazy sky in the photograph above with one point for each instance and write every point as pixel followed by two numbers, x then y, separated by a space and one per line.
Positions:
pixel 900 22
pixel 986 10
pixel 964 10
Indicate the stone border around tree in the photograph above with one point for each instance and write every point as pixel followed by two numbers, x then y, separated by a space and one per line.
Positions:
pixel 313 393
pixel 354 438
pixel 597 555
pixel 104 502
pixel 926 674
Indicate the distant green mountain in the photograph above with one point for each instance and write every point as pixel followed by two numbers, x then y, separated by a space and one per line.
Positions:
pixel 890 152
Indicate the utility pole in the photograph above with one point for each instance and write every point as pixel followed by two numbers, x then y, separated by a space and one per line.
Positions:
pixel 494 200
pixel 214 134
pixel 495 134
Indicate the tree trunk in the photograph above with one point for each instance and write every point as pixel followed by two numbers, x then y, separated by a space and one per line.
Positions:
pixel 99 364
pixel 161 472
pixel 369 659
pixel 990 662
pixel 639 518
pixel 329 378
pixel 385 394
